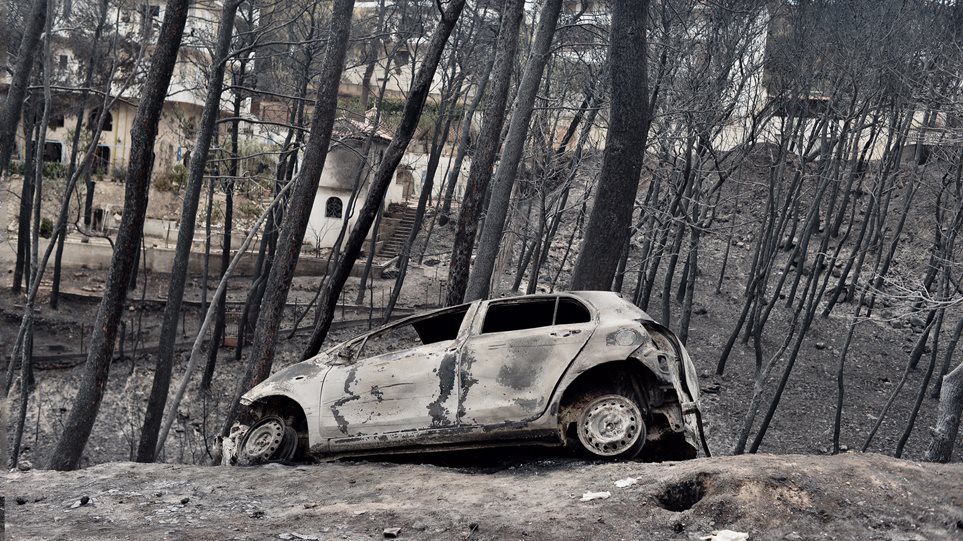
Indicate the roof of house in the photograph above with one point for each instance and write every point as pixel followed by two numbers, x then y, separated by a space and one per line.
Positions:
pixel 345 128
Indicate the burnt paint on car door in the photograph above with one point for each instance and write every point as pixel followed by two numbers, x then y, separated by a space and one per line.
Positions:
pixel 401 391
pixel 508 373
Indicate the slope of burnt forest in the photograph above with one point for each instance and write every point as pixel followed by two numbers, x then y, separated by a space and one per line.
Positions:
pixel 802 424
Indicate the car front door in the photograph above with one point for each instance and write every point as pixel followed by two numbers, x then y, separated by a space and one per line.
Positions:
pixel 516 354
pixel 402 381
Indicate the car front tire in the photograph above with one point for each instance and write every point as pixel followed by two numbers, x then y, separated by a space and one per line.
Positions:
pixel 268 440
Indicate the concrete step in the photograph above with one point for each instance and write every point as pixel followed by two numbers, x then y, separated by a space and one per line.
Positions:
pixel 403 218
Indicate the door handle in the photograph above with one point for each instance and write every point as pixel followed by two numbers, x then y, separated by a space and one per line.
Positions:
pixel 563 334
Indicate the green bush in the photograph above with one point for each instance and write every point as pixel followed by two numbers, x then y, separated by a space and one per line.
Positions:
pixel 249 209
pixel 50 169
pixel 119 174
pixel 54 170
pixel 46 228
pixel 171 181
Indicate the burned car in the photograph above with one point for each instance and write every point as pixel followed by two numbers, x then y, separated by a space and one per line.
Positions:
pixel 584 369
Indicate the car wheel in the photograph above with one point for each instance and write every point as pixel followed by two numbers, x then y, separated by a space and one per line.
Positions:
pixel 268 440
pixel 611 426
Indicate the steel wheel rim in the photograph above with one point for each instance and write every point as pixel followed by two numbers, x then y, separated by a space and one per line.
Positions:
pixel 610 426
pixel 264 439
pixel 289 445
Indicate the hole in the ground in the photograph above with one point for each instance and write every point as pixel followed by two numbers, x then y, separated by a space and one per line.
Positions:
pixel 682 495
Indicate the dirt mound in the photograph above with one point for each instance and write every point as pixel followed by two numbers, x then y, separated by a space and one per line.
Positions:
pixel 852 496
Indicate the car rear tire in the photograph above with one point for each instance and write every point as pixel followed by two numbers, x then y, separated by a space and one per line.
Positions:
pixel 610 426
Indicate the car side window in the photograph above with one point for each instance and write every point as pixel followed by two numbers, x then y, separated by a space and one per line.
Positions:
pixel 518 315
pixel 571 311
pixel 396 338
pixel 533 313
pixel 439 327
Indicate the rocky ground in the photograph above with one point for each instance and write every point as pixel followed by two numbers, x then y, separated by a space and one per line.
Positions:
pixel 771 497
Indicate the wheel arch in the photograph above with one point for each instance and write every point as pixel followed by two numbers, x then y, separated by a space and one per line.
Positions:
pixel 638 374
pixel 288 409
pixel 630 374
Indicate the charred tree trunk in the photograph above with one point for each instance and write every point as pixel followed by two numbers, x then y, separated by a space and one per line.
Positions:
pixel 479 281
pixel 440 137
pixel 611 216
pixel 371 55
pixel 80 421
pixel 283 177
pixel 209 317
pixel 26 368
pixel 26 204
pixel 536 252
pixel 217 335
pixel 463 144
pixel 382 178
pixel 17 91
pixel 185 239
pixel 479 174
pixel 943 436
pixel 74 149
pixel 366 273
pixel 947 359
pixel 299 206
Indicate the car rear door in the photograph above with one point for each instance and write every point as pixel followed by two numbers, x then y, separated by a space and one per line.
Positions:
pixel 399 384
pixel 516 354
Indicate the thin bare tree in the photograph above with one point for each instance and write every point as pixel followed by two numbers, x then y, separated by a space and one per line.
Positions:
pixel 69 449
pixel 298 211
pixel 414 106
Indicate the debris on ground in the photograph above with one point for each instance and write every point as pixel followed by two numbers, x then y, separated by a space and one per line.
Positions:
pixel 84 500
pixel 391 533
pixel 627 482
pixel 589 496
pixel 727 535
pixel 255 513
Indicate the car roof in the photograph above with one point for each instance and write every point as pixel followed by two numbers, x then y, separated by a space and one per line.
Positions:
pixel 610 302
pixel 605 302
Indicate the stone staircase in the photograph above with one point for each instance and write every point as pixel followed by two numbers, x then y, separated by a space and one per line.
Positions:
pixel 395 242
